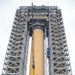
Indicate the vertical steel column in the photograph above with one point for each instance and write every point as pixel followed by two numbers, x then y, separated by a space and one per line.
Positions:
pixel 24 16
pixel 49 46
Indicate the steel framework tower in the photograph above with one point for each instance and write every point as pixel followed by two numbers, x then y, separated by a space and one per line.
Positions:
pixel 48 54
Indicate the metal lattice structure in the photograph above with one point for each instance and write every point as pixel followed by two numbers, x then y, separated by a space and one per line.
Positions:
pixel 59 59
pixel 56 56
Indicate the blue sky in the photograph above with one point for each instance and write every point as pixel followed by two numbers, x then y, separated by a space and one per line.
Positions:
pixel 7 13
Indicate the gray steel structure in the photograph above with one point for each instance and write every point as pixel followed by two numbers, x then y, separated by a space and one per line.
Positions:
pixel 17 51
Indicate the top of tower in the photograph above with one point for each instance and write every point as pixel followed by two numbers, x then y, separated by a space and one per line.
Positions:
pixel 42 7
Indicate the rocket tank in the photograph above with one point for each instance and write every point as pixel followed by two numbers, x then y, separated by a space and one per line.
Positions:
pixel 37 52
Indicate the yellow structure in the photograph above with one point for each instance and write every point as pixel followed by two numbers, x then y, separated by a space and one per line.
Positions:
pixel 38 48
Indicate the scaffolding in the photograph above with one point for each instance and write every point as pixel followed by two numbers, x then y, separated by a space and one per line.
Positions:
pixel 56 55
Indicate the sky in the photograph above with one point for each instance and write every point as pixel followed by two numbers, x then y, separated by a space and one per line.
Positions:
pixel 7 13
